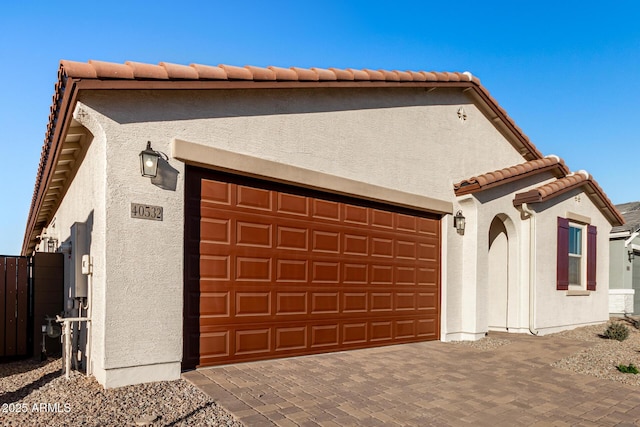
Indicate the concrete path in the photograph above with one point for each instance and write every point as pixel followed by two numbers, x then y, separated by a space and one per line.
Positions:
pixel 424 384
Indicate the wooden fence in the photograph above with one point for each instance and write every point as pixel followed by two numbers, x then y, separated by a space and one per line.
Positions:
pixel 14 306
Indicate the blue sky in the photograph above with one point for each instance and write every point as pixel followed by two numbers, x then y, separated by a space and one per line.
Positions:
pixel 568 72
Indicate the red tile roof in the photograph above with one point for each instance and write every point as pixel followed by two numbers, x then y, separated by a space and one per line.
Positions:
pixel 75 76
pixel 510 174
pixel 168 71
pixel 580 179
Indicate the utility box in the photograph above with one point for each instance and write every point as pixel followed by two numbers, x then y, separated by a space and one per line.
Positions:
pixel 78 282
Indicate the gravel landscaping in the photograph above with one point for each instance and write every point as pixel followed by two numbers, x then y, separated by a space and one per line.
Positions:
pixel 602 359
pixel 34 393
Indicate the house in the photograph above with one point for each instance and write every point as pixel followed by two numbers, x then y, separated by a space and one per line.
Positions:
pixel 624 273
pixel 297 211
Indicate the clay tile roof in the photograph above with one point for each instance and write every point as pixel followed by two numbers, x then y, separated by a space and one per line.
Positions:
pixel 80 70
pixel 284 74
pixel 342 74
pixel 305 74
pixel 111 70
pixel 359 74
pixel 207 72
pixel 375 75
pixel 237 73
pixel 552 189
pixel 390 76
pixel 510 174
pixel 175 71
pixel 74 76
pixel 259 73
pixel 147 71
pixel 325 75
pixel 404 76
pixel 580 179
pixel 417 76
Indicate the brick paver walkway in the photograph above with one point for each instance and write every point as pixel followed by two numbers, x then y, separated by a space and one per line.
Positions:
pixel 424 384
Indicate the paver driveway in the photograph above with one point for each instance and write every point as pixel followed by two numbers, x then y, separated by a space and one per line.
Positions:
pixel 423 384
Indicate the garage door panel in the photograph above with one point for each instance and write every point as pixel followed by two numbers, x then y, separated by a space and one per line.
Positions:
pixel 273 271
pixel 355 274
pixel 213 304
pixel 428 328
pixel 291 338
pixel 292 204
pixel 382 219
pixel 325 210
pixel 215 192
pixel 323 272
pixel 292 238
pixel 354 333
pixel 291 303
pixel 325 303
pixel 253 234
pixel 252 303
pixel 251 269
pixel 324 336
pixel 292 270
pixel 356 214
pixel 254 198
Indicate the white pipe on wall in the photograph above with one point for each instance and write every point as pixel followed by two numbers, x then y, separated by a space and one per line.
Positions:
pixel 532 266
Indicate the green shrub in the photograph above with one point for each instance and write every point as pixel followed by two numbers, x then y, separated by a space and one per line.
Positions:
pixel 631 369
pixel 616 331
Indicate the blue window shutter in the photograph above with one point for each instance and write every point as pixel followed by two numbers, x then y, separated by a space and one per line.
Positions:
pixel 563 255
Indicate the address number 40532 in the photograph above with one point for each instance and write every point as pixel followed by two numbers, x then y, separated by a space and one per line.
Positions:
pixel 146 212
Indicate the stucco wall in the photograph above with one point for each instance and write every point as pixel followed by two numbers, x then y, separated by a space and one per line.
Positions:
pixel 620 267
pixel 84 202
pixel 557 310
pixel 469 301
pixel 408 140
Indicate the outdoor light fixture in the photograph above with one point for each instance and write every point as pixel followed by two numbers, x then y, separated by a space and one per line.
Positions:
pixel 149 162
pixel 631 256
pixel 459 222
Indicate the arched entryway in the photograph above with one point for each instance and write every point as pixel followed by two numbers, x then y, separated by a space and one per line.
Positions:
pixel 498 276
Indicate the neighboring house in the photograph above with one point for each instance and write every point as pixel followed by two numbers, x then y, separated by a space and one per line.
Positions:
pixel 624 270
pixel 299 211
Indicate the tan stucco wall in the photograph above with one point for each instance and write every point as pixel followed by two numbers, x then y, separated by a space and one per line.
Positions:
pixel 557 310
pixel 410 141
pixel 84 202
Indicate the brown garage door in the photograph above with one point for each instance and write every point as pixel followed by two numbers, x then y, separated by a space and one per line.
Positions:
pixel 274 271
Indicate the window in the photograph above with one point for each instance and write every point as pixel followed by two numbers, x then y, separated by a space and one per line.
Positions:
pixel 575 256
pixel 576 265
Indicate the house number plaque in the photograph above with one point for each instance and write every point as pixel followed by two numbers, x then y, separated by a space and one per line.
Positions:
pixel 146 212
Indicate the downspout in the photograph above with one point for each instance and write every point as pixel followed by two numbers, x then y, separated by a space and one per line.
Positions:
pixel 532 266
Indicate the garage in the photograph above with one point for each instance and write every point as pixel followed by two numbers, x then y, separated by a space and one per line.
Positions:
pixel 273 270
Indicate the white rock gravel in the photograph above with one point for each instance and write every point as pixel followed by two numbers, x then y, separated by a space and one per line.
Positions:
pixel 602 359
pixel 486 343
pixel 34 393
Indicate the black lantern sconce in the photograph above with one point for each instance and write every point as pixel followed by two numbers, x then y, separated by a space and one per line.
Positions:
pixel 459 223
pixel 631 256
pixel 149 162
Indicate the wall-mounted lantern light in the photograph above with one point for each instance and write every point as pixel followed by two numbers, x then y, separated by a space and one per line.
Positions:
pixel 631 256
pixel 459 222
pixel 149 162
